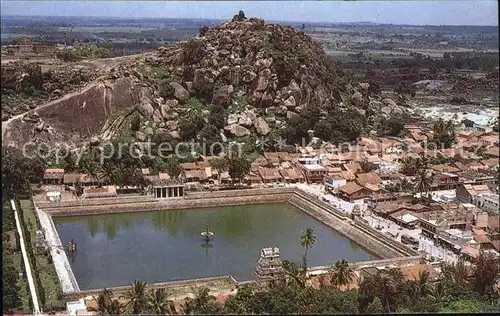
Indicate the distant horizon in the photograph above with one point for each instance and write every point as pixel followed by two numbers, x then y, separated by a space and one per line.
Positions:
pixel 414 13
pixel 225 19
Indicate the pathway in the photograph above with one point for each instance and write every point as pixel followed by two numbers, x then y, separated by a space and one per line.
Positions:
pixel 27 266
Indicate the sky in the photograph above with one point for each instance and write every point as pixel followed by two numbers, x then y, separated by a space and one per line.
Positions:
pixel 447 12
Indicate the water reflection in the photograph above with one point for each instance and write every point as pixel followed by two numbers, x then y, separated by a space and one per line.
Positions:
pixel 206 246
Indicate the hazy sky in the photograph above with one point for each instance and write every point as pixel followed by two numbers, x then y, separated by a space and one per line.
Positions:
pixel 448 12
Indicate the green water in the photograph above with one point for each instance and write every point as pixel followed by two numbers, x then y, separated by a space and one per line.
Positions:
pixel 115 249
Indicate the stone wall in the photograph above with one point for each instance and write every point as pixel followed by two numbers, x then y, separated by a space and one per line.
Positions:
pixel 400 261
pixel 211 199
pixel 171 284
pixel 235 193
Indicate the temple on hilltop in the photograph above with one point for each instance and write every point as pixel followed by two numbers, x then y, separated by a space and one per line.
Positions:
pixel 269 265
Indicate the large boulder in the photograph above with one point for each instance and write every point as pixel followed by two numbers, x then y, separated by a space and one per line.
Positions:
pixel 244 120
pixel 261 126
pixel 180 93
pixel 232 119
pixel 223 95
pixel 140 136
pixel 157 116
pixel 237 130
pixel 145 108
pixel 165 109
pixel 357 98
pixel 267 99
pixel 263 80
pixel 389 102
pixel 290 102
pixel 172 125
pixel 291 114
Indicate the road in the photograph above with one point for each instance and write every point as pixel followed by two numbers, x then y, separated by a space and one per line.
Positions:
pixel 27 266
pixel 425 245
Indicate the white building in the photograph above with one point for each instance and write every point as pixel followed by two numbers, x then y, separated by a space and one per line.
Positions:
pixel 488 201
pixel 77 307
pixel 54 196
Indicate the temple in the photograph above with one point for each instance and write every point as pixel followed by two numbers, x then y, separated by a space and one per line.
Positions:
pixel 269 265
pixel 168 188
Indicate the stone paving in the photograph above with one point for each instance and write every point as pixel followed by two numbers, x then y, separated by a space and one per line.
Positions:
pixel 59 258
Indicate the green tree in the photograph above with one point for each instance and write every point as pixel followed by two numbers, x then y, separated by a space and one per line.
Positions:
pixel 136 297
pixel 375 307
pixel 11 299
pixel 294 274
pixel 221 165
pixel 341 273
pixel 238 167
pixel 424 181
pixel 485 274
pixel 18 172
pixel 158 302
pixel 444 133
pixel 307 240
pixel 202 303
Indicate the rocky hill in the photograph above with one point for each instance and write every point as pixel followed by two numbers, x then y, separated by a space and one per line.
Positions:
pixel 236 81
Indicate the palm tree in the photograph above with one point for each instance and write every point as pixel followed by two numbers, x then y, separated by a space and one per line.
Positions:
pixel 158 302
pixel 424 181
pixel 106 305
pixel 342 274
pixel 201 300
pixel 389 287
pixel 103 299
pixel 294 274
pixel 136 297
pixel 307 240
pixel 439 291
pixel 422 284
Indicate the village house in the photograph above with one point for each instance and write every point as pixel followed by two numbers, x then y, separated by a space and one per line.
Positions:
pixel 53 176
pixel 270 175
pixel 487 201
pixel 334 182
pixel 353 191
pixel 466 193
pixel 290 174
pixel 313 172
pixel 91 193
pixel 445 181
pixel 71 179
pixel 253 178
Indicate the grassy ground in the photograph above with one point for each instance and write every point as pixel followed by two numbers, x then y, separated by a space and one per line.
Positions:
pixel 16 256
pixel 46 270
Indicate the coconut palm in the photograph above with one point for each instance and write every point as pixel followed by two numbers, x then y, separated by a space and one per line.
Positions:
pixel 199 303
pixel 136 297
pixel 293 274
pixel 158 302
pixel 106 305
pixel 307 240
pixel 424 181
pixel 341 273
pixel 389 287
pixel 103 299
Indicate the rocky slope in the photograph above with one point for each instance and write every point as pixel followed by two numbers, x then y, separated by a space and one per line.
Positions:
pixel 237 80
